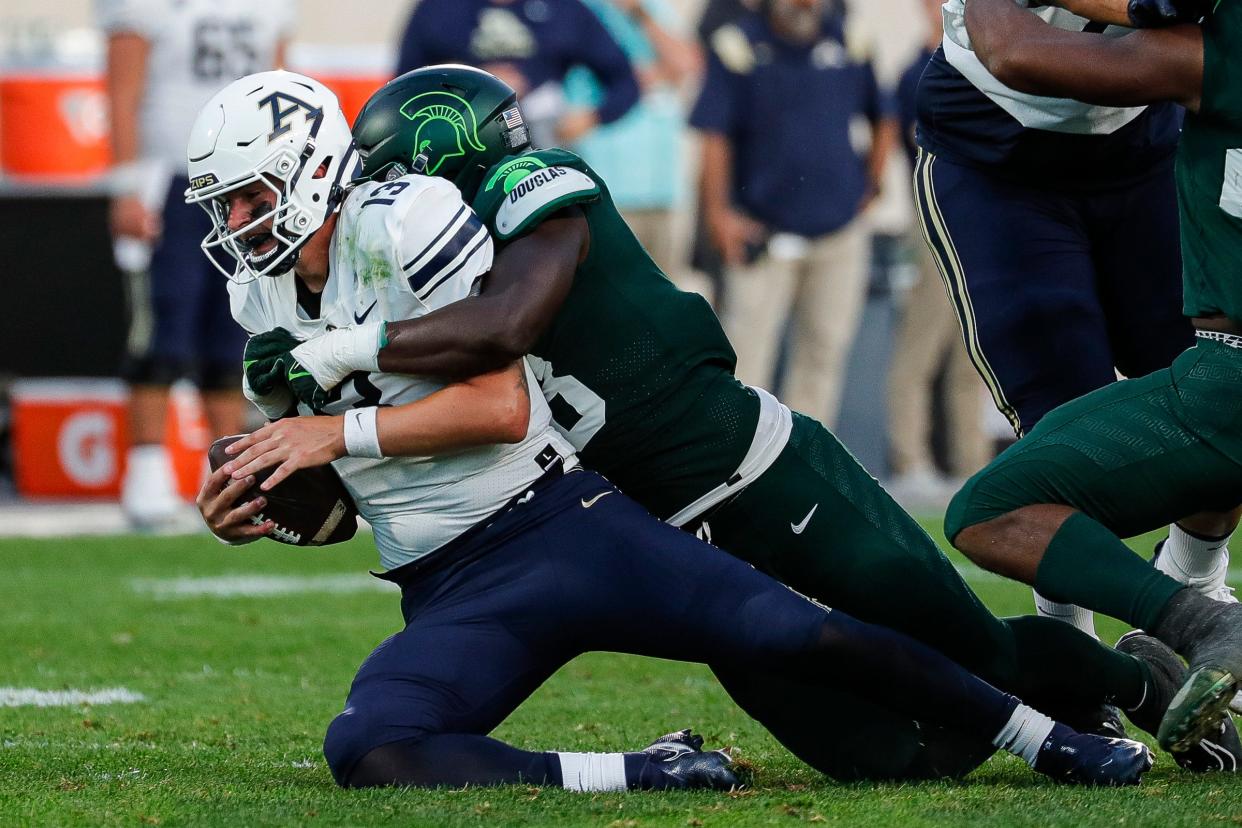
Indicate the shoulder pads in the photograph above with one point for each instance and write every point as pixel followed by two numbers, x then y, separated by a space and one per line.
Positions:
pixel 520 192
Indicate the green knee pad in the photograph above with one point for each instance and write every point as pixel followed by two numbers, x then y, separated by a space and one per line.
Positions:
pixel 1087 565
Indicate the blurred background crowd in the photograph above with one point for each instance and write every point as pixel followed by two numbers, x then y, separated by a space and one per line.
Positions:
pixel 760 149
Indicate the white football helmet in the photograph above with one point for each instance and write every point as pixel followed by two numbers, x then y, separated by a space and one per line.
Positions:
pixel 279 128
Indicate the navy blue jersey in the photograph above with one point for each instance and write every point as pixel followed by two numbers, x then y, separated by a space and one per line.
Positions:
pixel 966 115
pixel 788 112
pixel 541 38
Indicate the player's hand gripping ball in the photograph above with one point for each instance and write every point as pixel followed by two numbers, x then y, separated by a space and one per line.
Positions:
pixel 311 507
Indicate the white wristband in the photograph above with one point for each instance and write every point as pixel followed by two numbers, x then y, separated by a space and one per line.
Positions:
pixel 361 433
pixel 333 356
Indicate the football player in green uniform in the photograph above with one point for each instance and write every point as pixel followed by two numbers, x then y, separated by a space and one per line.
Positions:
pixel 1139 454
pixel 639 377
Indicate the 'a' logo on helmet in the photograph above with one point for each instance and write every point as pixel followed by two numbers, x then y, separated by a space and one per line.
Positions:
pixel 283 107
pixel 446 126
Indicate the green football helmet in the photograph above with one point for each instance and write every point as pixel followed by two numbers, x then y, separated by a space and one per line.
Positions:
pixel 450 120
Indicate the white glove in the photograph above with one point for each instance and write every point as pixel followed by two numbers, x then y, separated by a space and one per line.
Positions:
pixel 333 356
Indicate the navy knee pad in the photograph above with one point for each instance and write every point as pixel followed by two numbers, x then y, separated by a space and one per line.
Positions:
pixel 154 370
pixel 215 376
pixel 350 736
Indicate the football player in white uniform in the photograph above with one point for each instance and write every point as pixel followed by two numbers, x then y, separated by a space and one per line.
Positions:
pixel 166 59
pixel 511 560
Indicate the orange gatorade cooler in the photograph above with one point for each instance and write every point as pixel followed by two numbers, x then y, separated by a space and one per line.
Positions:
pixel 352 90
pixel 353 73
pixel 70 438
pixel 53 124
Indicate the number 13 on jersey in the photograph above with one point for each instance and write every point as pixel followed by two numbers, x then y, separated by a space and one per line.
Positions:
pixel 577 411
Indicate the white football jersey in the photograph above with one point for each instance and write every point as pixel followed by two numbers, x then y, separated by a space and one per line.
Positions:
pixel 196 48
pixel 400 250
pixel 1034 111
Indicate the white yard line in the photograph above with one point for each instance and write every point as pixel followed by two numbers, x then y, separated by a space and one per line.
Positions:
pixel 257 586
pixel 30 697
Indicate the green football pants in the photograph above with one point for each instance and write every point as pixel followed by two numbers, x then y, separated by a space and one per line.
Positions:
pixel 817 521
pixel 1134 455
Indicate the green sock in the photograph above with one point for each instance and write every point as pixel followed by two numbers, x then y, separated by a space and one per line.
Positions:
pixel 1062 668
pixel 1088 565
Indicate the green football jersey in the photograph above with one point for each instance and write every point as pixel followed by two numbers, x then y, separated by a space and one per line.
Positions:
pixel 638 374
pixel 1209 174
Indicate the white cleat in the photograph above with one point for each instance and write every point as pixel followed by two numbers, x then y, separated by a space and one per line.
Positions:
pixel 149 497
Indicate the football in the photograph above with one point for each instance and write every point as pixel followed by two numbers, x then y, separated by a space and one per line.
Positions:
pixel 311 507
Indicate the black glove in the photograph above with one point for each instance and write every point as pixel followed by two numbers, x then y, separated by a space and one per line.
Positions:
pixel 1151 14
pixel 269 364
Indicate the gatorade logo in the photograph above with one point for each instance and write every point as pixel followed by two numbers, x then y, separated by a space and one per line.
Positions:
pixel 85 114
pixel 86 447
pixel 534 181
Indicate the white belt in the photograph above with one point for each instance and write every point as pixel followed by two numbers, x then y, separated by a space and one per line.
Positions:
pixel 771 435
pixel 1232 340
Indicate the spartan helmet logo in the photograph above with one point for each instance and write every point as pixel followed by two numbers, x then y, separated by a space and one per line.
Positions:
pixel 446 126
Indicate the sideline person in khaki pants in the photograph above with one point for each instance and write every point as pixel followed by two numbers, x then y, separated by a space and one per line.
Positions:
pixel 929 343
pixel 795 135
pixel 818 285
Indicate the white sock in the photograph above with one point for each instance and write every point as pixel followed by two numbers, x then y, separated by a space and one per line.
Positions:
pixel 592 771
pixel 1188 558
pixel 149 487
pixel 1071 614
pixel 1024 734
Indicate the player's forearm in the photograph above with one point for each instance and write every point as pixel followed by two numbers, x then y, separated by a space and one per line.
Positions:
pixel 716 173
pixel 1143 67
pixel 676 58
pixel 464 339
pixel 522 294
pixel 884 138
pixel 485 410
pixel 1009 41
pixel 126 76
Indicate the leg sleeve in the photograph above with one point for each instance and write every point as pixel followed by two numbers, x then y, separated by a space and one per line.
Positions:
pixel 848 737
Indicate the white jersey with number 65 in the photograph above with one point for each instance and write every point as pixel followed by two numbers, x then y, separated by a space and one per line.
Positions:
pixel 196 47
pixel 400 250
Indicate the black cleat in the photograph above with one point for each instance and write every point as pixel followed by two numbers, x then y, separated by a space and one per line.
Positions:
pixel 1103 720
pixel 1209 634
pixel 674 744
pixel 1220 750
pixel 680 757
pixel 1082 759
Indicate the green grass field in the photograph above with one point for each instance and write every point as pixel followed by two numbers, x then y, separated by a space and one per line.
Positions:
pixel 238 690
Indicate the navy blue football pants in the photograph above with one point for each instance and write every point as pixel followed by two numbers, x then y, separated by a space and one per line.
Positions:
pixel 576 567
pixel 1054 290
